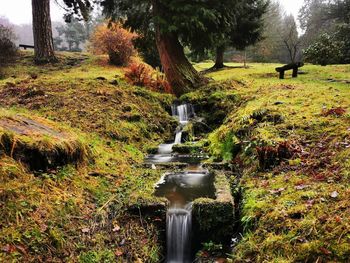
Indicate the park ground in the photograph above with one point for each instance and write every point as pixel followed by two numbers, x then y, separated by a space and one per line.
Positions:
pixel 288 141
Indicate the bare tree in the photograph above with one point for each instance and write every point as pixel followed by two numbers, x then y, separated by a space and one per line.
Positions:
pixel 290 38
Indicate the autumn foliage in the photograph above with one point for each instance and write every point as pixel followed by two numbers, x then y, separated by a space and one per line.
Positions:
pixel 115 41
pixel 143 75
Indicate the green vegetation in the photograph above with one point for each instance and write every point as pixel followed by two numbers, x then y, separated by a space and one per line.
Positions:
pixel 290 140
pixel 75 212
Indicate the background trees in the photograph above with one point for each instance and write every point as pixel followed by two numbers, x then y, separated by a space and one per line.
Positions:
pixel 327 31
pixel 244 29
pixel 71 36
pixel 290 38
pixel 8 48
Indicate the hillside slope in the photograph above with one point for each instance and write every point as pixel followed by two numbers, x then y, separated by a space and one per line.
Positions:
pixel 73 210
pixel 289 141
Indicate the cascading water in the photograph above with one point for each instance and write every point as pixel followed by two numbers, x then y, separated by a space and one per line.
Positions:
pixel 179 221
pixel 181 189
pixel 184 112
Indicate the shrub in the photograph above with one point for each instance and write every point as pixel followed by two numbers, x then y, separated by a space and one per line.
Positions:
pixel 139 74
pixel 8 50
pixel 325 50
pixel 114 41
pixel 143 75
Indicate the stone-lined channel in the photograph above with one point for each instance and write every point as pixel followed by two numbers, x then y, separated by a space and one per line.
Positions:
pixel 181 189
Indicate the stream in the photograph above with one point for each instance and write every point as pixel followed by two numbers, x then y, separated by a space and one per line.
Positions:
pixel 181 188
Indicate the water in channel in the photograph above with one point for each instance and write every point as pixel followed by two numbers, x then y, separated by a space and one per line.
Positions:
pixel 181 188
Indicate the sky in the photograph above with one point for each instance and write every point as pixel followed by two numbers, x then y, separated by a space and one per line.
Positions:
pixel 19 11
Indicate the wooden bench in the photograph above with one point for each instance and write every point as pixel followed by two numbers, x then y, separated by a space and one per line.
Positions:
pixel 294 66
pixel 26 46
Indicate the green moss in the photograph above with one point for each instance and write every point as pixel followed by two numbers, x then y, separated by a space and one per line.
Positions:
pixel 103 256
pixel 71 209
pixel 288 214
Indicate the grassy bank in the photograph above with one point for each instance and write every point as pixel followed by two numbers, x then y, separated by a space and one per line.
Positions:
pixel 290 139
pixel 76 212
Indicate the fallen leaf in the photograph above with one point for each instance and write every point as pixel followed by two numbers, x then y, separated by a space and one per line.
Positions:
pixel 265 183
pixel 325 251
pixel 116 228
pixel 277 191
pixel 334 194
pixel 301 187
pixel 43 227
pixel 8 248
pixel 85 230
pixel 118 252
pixel 22 249
pixel 220 260
pixel 338 219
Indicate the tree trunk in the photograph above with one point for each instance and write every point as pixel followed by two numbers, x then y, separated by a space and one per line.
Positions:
pixel 180 73
pixel 42 31
pixel 219 63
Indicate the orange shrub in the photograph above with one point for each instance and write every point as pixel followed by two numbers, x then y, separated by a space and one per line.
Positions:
pixel 114 41
pixel 143 75
pixel 139 74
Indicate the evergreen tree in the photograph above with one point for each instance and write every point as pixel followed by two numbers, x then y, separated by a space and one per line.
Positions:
pixel 73 34
pixel 327 31
pixel 246 28
pixel 270 48
pixel 174 23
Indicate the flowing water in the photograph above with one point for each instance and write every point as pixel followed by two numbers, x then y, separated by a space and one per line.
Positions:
pixel 179 221
pixel 165 153
pixel 181 188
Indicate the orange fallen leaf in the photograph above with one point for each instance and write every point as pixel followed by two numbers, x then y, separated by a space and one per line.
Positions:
pixel 116 228
pixel 118 252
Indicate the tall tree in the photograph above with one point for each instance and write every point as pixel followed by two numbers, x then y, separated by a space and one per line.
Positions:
pixel 42 31
pixel 246 28
pixel 312 19
pixel 269 49
pixel 73 35
pixel 174 22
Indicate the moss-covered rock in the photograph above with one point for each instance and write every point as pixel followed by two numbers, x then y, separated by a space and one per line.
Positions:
pixel 39 143
pixel 213 220
pixel 187 148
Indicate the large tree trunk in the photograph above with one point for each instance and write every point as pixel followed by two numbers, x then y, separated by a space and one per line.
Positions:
pixel 180 73
pixel 219 63
pixel 42 31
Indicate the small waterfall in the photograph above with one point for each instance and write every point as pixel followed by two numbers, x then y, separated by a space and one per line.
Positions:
pixel 179 221
pixel 184 112
pixel 178 137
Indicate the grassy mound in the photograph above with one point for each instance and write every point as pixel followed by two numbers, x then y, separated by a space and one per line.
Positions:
pixel 37 143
